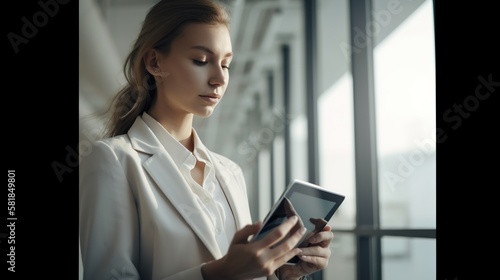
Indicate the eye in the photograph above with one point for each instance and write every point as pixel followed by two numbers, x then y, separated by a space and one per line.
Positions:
pixel 199 62
pixel 225 66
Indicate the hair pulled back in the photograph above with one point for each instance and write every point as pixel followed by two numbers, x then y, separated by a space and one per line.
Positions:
pixel 162 24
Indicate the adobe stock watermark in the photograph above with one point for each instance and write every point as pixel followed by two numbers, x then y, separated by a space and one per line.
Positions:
pixel 31 26
pixel 274 123
pixel 380 19
pixel 471 103
pixel 408 164
pixel 455 117
pixel 74 156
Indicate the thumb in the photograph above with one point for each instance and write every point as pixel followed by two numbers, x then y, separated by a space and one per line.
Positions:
pixel 242 235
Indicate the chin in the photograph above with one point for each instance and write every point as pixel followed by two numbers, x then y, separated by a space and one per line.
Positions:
pixel 206 113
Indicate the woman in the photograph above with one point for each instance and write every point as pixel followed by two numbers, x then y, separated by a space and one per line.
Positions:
pixel 155 203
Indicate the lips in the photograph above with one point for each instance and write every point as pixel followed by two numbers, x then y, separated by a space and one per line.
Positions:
pixel 211 97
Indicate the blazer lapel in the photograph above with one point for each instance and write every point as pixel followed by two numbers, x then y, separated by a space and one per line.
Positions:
pixel 236 196
pixel 166 175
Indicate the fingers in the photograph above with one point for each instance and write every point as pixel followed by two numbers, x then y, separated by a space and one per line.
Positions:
pixel 318 223
pixel 315 251
pixel 318 253
pixel 278 233
pixel 316 257
pixel 263 256
pixel 322 239
pixel 243 234
pixel 314 263
pixel 285 250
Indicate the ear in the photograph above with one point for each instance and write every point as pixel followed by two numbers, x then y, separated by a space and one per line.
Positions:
pixel 151 61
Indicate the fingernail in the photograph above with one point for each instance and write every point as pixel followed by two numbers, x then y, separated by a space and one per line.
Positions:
pixel 294 218
pixel 303 230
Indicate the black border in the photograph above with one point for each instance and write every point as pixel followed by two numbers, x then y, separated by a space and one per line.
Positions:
pixel 41 89
pixel 467 148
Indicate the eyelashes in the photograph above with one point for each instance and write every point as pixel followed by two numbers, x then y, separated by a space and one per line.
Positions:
pixel 199 62
pixel 202 63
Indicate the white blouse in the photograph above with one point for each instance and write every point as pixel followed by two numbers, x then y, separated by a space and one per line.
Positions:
pixel 210 195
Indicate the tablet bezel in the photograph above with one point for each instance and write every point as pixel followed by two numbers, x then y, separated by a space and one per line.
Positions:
pixel 312 190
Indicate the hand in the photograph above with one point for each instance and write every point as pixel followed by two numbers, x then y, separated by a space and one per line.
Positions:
pixel 247 260
pixel 312 258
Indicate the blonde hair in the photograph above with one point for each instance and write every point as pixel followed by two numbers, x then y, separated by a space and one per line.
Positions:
pixel 163 23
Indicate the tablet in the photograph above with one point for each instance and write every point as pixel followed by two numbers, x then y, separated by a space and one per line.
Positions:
pixel 313 205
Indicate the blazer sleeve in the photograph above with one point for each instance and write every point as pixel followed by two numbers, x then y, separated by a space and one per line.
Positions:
pixel 109 232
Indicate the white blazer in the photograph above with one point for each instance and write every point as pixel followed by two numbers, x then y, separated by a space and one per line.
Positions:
pixel 138 216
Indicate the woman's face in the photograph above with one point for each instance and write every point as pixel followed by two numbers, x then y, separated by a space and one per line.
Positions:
pixel 195 72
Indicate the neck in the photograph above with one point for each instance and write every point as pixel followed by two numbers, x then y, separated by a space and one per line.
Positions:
pixel 179 126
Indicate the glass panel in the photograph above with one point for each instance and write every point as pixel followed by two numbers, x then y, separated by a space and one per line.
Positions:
pixel 294 19
pixel 279 167
pixel 298 142
pixel 408 258
pixel 335 107
pixel 264 200
pixel 342 264
pixel 404 69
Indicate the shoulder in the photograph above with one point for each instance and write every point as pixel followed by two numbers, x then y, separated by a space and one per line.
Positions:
pixel 229 166
pixel 116 143
pixel 113 147
pixel 230 169
pixel 225 161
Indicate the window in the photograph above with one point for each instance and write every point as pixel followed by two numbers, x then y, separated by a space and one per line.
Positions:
pixel 376 127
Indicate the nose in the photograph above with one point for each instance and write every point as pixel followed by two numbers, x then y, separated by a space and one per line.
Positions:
pixel 218 77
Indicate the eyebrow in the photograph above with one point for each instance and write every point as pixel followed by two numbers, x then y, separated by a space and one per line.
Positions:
pixel 205 49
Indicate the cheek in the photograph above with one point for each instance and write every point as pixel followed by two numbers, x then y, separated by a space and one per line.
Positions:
pixel 228 79
pixel 186 76
pixel 194 74
pixel 224 88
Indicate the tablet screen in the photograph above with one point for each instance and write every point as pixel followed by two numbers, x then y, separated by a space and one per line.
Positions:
pixel 312 204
